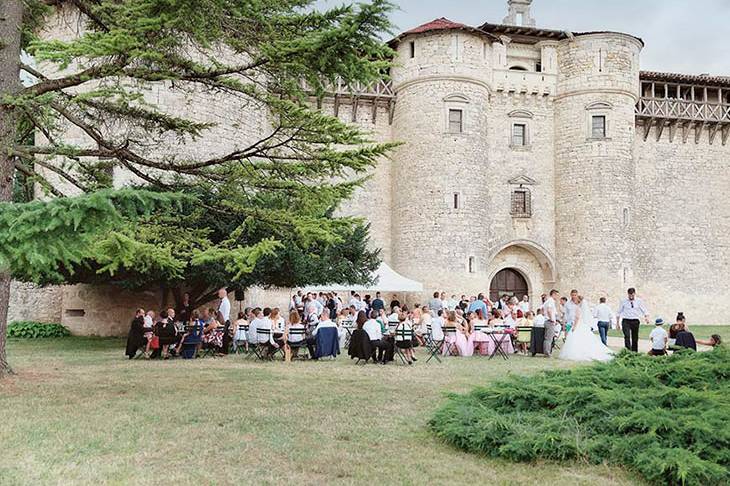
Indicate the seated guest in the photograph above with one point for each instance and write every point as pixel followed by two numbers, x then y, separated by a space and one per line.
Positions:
pixel 539 318
pixel 437 327
pixel 496 320
pixel 212 338
pixel 240 338
pixel 149 323
pixel 166 334
pixel 136 339
pixel 256 316
pixel 193 336
pixel 403 339
pixel 294 340
pixel 324 322
pixel 372 327
pixel 266 340
pixel 659 339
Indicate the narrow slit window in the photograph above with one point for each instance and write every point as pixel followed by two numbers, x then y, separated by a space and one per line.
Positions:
pixel 456 118
pixel 519 134
pixel 472 265
pixel 457 203
pixel 598 126
pixel 412 48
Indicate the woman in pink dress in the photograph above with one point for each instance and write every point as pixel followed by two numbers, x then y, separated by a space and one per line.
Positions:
pixel 464 338
pixel 481 340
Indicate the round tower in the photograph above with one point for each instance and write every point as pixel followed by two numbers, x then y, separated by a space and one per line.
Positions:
pixel 442 77
pixel 598 87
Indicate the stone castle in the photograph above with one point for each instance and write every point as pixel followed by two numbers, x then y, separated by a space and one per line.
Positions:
pixel 532 159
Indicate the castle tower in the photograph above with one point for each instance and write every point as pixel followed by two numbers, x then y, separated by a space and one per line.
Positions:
pixel 442 78
pixel 519 13
pixel 598 87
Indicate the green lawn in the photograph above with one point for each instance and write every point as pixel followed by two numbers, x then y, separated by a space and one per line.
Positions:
pixel 79 413
pixel 700 332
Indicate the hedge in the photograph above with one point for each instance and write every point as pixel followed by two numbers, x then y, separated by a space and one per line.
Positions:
pixel 668 418
pixel 33 330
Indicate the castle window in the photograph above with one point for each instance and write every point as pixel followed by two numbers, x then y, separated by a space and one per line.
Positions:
pixel 472 264
pixel 457 201
pixel 626 216
pixel 519 134
pixel 412 48
pixel 456 118
pixel 598 126
pixel 521 203
pixel 538 67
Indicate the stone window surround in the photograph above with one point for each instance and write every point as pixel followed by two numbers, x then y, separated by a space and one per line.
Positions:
pixel 598 108
pixel 520 117
pixel 456 102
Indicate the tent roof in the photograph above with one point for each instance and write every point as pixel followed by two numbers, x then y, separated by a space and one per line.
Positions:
pixel 385 280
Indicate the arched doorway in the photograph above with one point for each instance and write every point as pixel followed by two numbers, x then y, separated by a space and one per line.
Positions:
pixel 510 282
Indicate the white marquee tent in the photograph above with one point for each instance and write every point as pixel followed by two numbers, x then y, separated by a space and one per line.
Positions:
pixel 385 280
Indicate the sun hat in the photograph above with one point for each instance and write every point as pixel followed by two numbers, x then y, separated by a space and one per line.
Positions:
pixel 659 322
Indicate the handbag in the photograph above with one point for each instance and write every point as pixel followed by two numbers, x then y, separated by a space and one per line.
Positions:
pixel 155 342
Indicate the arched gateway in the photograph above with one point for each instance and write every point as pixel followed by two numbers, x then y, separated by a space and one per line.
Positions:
pixel 508 281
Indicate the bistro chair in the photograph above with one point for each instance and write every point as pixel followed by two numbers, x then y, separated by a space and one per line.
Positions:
pixel 433 346
pixel 403 335
pixel 449 339
pixel 299 343
pixel 240 340
pixel 264 350
pixel 524 335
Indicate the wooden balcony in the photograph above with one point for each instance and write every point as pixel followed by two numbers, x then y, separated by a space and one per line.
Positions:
pixel 377 94
pixel 685 108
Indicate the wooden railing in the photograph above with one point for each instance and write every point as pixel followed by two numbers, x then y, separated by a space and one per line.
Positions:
pixel 686 110
pixel 377 90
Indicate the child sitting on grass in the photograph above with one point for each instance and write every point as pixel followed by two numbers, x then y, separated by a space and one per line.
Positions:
pixel 659 339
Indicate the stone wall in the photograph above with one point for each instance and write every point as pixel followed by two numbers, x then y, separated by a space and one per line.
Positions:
pixel 31 303
pixel 682 217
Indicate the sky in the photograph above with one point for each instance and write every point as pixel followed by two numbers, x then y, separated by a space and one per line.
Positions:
pixel 683 36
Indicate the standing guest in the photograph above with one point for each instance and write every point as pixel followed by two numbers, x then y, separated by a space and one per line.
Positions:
pixel 570 310
pixel 539 320
pixel 378 303
pixel 659 339
pixel 630 313
pixel 136 339
pixel 551 317
pixel 435 304
pixel 604 314
pixel 478 304
pixel 525 304
pixel 185 310
pixel 366 303
pixel 224 307
pixel 561 311
pixel 394 302
pixel 451 303
pixel 372 327
pixel 353 299
pixel 332 306
pixel 463 303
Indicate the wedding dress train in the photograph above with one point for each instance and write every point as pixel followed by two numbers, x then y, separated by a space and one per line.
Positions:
pixel 581 344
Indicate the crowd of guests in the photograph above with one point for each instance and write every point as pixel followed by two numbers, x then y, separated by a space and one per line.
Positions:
pixel 387 325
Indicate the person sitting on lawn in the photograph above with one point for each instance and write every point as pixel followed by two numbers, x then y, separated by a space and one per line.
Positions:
pixel 136 339
pixel 685 339
pixel 659 339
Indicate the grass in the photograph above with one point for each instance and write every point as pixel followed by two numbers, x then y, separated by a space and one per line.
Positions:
pixel 77 412
pixel 700 332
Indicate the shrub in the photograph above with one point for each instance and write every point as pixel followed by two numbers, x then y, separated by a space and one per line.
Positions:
pixel 666 418
pixel 33 330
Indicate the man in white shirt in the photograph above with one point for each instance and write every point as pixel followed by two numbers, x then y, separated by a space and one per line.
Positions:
pixel 630 313
pixel 551 315
pixel 659 339
pixel 539 319
pixel 324 321
pixel 224 307
pixel 604 315
pixel 372 328
pixel 437 327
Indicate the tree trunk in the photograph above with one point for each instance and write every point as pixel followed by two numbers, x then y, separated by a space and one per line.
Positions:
pixel 11 18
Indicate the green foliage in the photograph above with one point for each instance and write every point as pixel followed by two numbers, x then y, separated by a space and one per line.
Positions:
pixel 666 418
pixel 41 240
pixel 36 330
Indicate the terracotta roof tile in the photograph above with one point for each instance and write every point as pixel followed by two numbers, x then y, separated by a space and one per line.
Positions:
pixel 442 24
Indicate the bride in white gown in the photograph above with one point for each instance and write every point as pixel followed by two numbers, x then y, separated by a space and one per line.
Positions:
pixel 582 344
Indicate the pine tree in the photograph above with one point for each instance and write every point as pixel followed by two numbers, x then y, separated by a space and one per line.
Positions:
pixel 269 200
